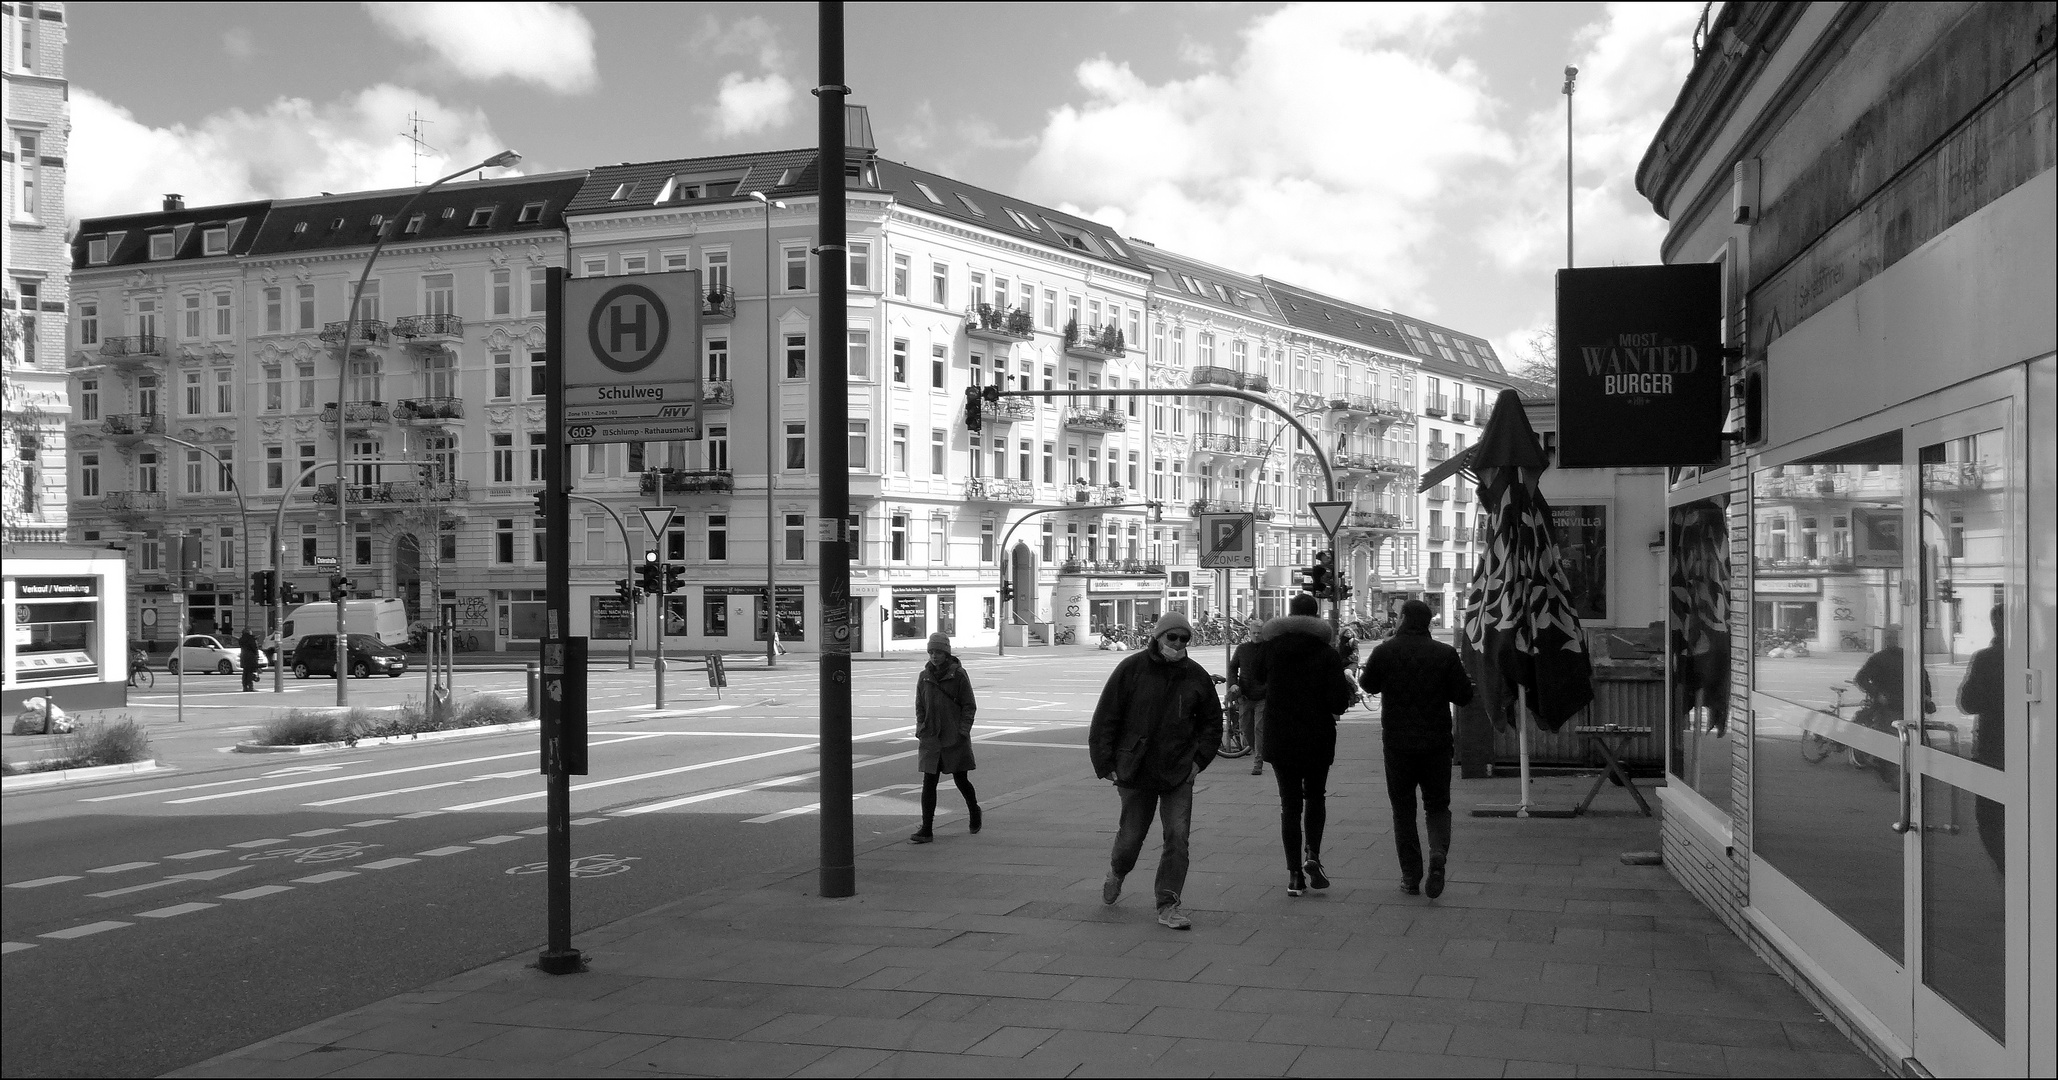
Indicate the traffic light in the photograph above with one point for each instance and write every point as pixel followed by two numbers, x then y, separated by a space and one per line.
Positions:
pixel 339 588
pixel 540 495
pixel 1322 578
pixel 290 596
pixel 1157 511
pixel 1304 578
pixel 1007 592
pixel 650 576
pixel 263 586
pixel 973 417
pixel 625 592
pixel 675 578
pixel 990 393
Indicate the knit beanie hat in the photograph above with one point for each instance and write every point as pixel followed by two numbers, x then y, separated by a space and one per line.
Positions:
pixel 939 638
pixel 1171 620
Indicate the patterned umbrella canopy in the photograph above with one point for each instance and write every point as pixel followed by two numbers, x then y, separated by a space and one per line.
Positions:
pixel 1518 617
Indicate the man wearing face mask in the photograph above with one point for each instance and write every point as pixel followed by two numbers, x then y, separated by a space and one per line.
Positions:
pixel 1158 724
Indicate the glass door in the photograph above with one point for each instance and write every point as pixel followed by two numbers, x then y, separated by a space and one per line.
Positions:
pixel 1964 785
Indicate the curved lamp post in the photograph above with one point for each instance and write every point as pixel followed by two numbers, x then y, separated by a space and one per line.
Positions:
pixel 771 449
pixel 500 160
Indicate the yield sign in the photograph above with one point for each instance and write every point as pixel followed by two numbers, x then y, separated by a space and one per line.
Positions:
pixel 656 519
pixel 1329 515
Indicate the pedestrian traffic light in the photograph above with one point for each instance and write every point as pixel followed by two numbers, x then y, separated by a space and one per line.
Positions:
pixel 262 586
pixel 625 591
pixel 649 576
pixel 973 417
pixel 675 578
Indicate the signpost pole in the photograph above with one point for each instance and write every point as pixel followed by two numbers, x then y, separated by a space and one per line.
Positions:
pixel 558 728
pixel 658 601
pixel 838 847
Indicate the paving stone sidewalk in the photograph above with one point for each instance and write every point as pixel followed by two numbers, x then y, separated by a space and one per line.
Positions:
pixel 992 955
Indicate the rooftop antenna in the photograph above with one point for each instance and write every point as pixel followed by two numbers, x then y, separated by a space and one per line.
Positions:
pixel 414 136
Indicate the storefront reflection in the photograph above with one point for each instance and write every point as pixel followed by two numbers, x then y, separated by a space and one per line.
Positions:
pixel 1699 661
pixel 1964 916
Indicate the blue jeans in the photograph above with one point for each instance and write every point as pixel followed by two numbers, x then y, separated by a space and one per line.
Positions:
pixel 1174 809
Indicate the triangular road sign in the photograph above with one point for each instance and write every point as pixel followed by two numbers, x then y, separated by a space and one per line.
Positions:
pixel 656 519
pixel 1329 515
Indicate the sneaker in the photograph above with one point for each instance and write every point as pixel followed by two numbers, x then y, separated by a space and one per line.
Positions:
pixel 978 818
pixel 1316 878
pixel 1296 883
pixel 1432 886
pixel 923 837
pixel 1411 886
pixel 1111 889
pixel 1170 917
pixel 1257 768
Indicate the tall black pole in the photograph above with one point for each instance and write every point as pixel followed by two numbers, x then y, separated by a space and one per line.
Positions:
pixel 839 860
pixel 558 956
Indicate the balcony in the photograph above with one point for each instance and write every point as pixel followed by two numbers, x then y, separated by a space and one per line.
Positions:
pixel 1002 326
pixel 719 305
pixel 1096 494
pixel 359 494
pixel 1212 442
pixel 988 489
pixel 717 392
pixel 133 351
pixel 691 482
pixel 424 491
pixel 1096 419
pixel 1461 411
pixel 1439 533
pixel 1007 410
pixel 1436 405
pixel 1210 375
pixel 1307 402
pixel 1440 493
pixel 133 503
pixel 1218 506
pixel 1110 566
pixel 1263 512
pixel 1439 452
pixel 1439 576
pixel 427 329
pixel 430 408
pixel 1098 343
pixel 127 428
pixel 1354 404
pixel 366 333
pixel 1376 520
pixel 1353 463
pixel 359 415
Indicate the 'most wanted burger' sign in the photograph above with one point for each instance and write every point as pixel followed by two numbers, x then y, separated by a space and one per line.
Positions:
pixel 1640 378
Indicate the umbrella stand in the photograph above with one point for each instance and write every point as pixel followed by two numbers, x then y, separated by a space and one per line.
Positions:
pixel 1523 808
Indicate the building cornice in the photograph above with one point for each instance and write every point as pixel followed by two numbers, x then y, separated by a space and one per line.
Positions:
pixel 953 229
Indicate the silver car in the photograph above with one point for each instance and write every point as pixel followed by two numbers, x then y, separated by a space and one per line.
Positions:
pixel 201 653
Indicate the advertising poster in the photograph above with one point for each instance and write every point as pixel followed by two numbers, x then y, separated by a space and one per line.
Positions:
pixel 1583 548
pixel 1640 366
pixel 612 619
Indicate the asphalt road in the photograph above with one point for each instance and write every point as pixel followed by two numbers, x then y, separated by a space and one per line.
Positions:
pixel 157 920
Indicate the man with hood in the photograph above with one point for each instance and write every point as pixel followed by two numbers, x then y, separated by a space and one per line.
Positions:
pixel 1158 724
pixel 1305 688
pixel 1419 678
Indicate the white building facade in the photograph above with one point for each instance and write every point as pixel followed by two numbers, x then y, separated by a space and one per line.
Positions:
pixel 35 289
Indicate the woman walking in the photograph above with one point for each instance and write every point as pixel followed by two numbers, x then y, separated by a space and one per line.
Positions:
pixel 944 708
pixel 1304 688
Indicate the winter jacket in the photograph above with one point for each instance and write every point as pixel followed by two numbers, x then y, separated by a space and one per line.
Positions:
pixel 1420 678
pixel 944 708
pixel 1157 719
pixel 1305 688
pixel 1243 665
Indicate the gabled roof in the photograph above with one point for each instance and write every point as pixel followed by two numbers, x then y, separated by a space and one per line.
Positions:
pixel 511 206
pixel 1193 281
pixel 934 193
pixel 612 189
pixel 1309 310
pixel 128 235
pixel 1474 357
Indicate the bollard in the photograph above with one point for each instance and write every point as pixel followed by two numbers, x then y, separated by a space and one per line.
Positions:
pixel 535 706
pixel 658 668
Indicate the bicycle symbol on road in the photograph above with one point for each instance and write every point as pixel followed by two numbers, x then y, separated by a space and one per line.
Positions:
pixel 585 866
pixel 319 853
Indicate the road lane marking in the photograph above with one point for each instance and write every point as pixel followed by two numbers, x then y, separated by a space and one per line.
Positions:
pixel 348 779
pixel 42 881
pixel 369 824
pixel 200 854
pixel 812 807
pixel 261 890
pixel 208 875
pixel 419 814
pixel 635 777
pixel 132 889
pixel 444 850
pixel 1043 745
pixel 705 796
pixel 502 839
pixel 15 946
pixel 588 820
pixel 323 879
pixel 382 794
pixel 385 864
pixel 293 771
pixel 82 931
pixel 118 868
pixel 537 831
pixel 317 832
pixel 266 842
pixel 175 910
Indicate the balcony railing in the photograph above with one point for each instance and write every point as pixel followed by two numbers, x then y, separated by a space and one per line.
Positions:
pixel 1436 405
pixel 1007 410
pixel 424 327
pixel 719 305
pixel 1440 493
pixel 1215 442
pixel 368 332
pixel 717 392
pixel 1374 519
pixel 999 324
pixel 1096 494
pixel 1263 512
pixel 358 412
pixel 1093 418
pixel 1353 403
pixel 989 489
pixel 360 494
pixel 1439 452
pixel 1439 533
pixel 133 502
pixel 1218 506
pixel 1439 576
pixel 430 408
pixel 1461 411
pixel 691 482
pixel 424 491
pixel 1211 375
pixel 1306 401
pixel 136 346
pixel 1096 343
pixel 1110 566
pixel 134 425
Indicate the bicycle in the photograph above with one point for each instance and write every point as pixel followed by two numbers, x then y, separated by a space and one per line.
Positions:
pixel 1233 744
pixel 464 642
pixel 1064 635
pixel 140 675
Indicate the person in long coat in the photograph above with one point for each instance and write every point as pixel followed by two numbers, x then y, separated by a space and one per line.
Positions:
pixel 1305 688
pixel 250 661
pixel 944 708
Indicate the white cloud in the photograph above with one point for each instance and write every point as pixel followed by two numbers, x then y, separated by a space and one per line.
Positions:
pixel 239 43
pixel 290 149
pixel 550 45
pixel 745 105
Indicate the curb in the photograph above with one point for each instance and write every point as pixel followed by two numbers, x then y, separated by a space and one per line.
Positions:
pixel 59 776
pixel 386 740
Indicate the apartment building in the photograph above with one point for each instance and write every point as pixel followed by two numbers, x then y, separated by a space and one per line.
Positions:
pixel 206 384
pixel 35 285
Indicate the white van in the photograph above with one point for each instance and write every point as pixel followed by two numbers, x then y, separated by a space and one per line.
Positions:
pixel 385 619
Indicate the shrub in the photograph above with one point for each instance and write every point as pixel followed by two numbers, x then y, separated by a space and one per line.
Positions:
pixel 302 727
pixel 103 742
pixel 483 710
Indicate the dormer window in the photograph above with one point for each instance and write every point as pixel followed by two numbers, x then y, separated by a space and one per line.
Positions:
pixel 378 220
pixel 336 225
pixel 299 227
pixel 96 251
pixel 481 217
pixel 161 245
pixel 970 205
pixel 927 192
pixel 214 242
pixel 414 224
pixel 1021 219
pixel 530 215
pixel 621 192
pixel 448 213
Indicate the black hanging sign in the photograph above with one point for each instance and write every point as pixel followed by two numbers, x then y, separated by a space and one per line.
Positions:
pixel 1640 380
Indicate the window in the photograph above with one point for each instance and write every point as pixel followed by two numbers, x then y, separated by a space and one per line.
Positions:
pixel 715 271
pixel 189 317
pixel 89 475
pixel 939 550
pixel 900 449
pixel 503 458
pixel 225 547
pixel 795 259
pixel 1050 459
pixel 986 541
pixel 1050 542
pixel 146 395
pixel 224 392
pixel 89 399
pixel 160 245
pixel 274 468
pixel 530 214
pixel 796 537
pixel 368 302
pixel 147 475
pixel 717 537
pixel 939 445
pixel 857 448
pixel 310 544
pixel 214 241
pixel 446 543
pixel 635 264
pixel 977 287
pixel 796 447
pixel 539 290
pixel 939 284
pixel 503 376
pixel 860 349
pixel 593 267
pixel 897 544
pixel 195 482
pixel 274 310
pixel 900 276
pixel 482 216
pixel 28 162
pixel 716 447
pixel 860 263
pixel 96 251
pixel 503 541
pixel 306 463
pixel 796 356
pixel 304 302
pixel 224 315
pixel 1050 309
pixel 1026 455
pixel 191 398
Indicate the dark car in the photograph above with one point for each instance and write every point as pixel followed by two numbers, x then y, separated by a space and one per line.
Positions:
pixel 316 655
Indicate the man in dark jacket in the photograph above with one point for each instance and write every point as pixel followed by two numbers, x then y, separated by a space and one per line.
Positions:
pixel 1248 698
pixel 1420 678
pixel 249 658
pixel 1305 688
pixel 1158 724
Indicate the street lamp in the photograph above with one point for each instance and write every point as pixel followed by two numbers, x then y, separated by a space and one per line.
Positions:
pixel 500 160
pixel 771 448
pixel 1571 76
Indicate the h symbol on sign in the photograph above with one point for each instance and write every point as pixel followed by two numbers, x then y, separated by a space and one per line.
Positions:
pixel 616 328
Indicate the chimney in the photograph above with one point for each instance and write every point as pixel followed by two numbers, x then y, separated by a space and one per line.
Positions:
pixel 174 202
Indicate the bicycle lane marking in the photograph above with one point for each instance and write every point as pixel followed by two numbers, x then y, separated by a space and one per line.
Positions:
pixel 274 774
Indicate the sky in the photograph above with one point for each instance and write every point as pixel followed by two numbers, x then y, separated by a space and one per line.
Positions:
pixel 1403 156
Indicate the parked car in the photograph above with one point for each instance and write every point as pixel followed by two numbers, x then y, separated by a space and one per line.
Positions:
pixel 316 655
pixel 202 653
pixel 385 619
